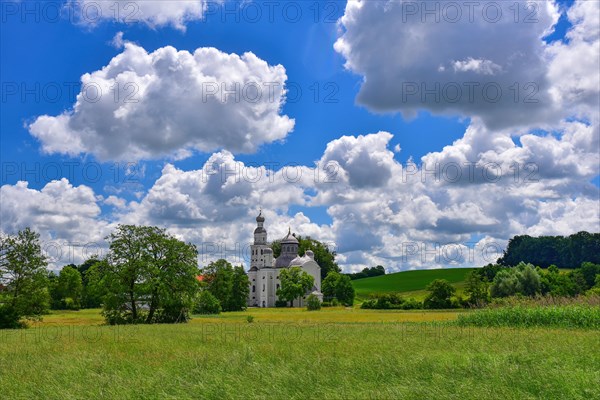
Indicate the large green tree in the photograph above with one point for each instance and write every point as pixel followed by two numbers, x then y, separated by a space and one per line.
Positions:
pixel 66 289
pixel 477 288
pixel 338 286
pixel 23 277
pixel 147 276
pixel 294 284
pixel 229 285
pixel 92 294
pixel 440 293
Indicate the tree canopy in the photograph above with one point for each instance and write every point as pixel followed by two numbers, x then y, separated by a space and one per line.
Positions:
pixel 23 277
pixel 564 252
pixel 230 285
pixel 148 276
pixel 294 284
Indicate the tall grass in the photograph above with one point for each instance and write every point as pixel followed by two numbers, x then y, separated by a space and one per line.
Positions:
pixel 579 312
pixel 288 354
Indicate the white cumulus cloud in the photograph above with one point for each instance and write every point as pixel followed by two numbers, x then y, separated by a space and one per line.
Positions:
pixel 169 103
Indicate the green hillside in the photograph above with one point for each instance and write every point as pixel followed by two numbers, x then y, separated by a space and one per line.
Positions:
pixel 411 282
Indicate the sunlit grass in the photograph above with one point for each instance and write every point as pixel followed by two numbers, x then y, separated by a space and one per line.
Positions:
pixel 295 354
pixel 408 283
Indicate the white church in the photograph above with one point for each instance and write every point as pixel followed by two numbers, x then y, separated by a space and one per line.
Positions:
pixel 264 268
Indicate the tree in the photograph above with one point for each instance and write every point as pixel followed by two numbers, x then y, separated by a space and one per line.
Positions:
pixel 477 288
pixel 66 289
pixel 91 297
pixel 328 286
pixel 230 285
pixel 338 286
pixel 529 279
pixel 240 289
pixel 206 303
pixel 505 284
pixel 148 276
pixel 543 251
pixel 23 276
pixel 440 293
pixel 294 284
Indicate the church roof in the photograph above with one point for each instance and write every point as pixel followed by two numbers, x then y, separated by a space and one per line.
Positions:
pixel 260 218
pixel 289 238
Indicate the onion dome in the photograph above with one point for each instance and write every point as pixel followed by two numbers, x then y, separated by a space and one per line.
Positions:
pixel 289 238
pixel 260 218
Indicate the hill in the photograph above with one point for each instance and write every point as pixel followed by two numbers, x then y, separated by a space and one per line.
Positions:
pixel 412 283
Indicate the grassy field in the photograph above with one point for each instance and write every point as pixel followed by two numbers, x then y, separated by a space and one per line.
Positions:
pixel 295 354
pixel 410 283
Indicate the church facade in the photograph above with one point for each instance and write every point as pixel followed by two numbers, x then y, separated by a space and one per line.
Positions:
pixel 265 268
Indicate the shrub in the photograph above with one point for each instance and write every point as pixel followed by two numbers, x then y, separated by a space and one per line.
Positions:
pixel 9 318
pixel 207 303
pixel 313 303
pixel 281 303
pixel 440 293
pixel 411 304
pixel 250 319
pixel 391 301
pixel 505 284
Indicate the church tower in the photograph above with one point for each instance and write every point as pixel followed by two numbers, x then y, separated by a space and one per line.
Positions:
pixel 262 255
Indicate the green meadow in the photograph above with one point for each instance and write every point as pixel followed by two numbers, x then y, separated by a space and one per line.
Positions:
pixel 335 353
pixel 409 283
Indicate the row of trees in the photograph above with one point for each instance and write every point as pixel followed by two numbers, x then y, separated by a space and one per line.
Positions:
pixel 368 272
pixel 496 281
pixel 562 251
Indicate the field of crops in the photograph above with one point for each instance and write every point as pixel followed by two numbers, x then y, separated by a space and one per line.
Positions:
pixel 334 353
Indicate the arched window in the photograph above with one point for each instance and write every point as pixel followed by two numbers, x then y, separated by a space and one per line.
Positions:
pixel 254 288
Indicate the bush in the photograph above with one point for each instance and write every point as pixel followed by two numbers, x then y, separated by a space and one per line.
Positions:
pixel 70 304
pixel 391 301
pixel 313 303
pixel 281 303
pixel 206 303
pixel 250 319
pixel 412 304
pixel 9 318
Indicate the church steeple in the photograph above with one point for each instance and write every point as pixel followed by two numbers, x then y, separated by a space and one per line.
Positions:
pixel 260 233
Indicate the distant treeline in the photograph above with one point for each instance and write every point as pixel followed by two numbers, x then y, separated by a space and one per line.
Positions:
pixel 543 251
pixel 368 272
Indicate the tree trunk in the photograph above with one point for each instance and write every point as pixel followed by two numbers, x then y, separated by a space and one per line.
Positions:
pixel 133 308
pixel 152 307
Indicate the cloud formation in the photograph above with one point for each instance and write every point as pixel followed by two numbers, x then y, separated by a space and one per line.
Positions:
pixel 155 14
pixel 482 59
pixel 168 103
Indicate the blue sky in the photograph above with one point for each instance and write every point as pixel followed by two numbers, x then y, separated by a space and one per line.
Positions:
pixel 39 56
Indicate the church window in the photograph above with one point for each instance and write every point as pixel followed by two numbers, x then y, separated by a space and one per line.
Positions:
pixel 263 287
pixel 278 286
pixel 253 288
pixel 261 252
